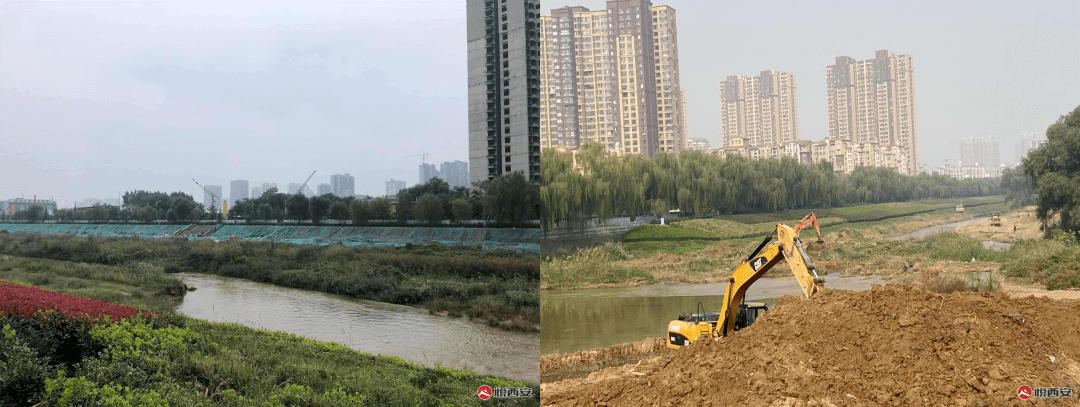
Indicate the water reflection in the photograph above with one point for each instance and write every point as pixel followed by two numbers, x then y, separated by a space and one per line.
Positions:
pixel 379 328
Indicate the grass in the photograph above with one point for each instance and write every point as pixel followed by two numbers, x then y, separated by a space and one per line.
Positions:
pixel 729 229
pixel 141 285
pixel 497 288
pixel 588 266
pixel 199 363
pixel 657 232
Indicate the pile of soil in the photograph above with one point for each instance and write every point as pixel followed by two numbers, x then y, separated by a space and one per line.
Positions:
pixel 892 345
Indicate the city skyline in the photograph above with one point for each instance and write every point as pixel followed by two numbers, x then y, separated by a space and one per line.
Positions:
pixel 981 70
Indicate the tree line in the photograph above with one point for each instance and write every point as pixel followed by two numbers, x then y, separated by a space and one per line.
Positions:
pixel 508 200
pixel 696 183
pixel 1049 176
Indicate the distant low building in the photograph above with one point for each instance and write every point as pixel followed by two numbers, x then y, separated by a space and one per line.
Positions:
pixel 961 171
pixel 22 204
pixel 698 144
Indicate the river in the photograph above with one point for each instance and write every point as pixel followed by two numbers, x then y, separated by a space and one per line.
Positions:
pixel 367 326
pixel 576 320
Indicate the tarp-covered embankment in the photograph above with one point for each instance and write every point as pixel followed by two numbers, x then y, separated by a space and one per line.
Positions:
pixel 84 229
pixel 512 239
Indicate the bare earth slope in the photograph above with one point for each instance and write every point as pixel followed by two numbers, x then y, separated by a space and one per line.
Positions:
pixel 892 345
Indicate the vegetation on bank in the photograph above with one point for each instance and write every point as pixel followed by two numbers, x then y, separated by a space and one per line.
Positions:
pixel 112 357
pixel 591 184
pixel 494 287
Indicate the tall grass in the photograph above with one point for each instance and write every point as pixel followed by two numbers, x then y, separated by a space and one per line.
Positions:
pixel 592 265
pixel 480 283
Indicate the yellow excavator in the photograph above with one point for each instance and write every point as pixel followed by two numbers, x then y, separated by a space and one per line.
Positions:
pixel 735 313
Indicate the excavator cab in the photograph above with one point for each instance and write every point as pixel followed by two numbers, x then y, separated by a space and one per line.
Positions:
pixel 748 313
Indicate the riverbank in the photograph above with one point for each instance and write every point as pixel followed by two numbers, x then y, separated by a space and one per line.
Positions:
pixel 706 250
pixel 91 353
pixel 494 287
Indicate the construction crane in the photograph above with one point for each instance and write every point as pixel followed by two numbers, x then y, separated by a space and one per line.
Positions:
pixel 301 190
pixel 422 160
pixel 213 197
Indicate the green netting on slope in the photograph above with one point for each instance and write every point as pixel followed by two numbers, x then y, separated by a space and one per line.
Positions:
pixel 514 239
pixel 92 229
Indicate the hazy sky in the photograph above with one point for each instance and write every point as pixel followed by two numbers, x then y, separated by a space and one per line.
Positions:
pixel 98 98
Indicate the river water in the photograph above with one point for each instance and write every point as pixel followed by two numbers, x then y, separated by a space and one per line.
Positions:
pixel 367 326
pixel 576 320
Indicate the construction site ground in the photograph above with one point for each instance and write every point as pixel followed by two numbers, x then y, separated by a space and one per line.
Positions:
pixel 900 344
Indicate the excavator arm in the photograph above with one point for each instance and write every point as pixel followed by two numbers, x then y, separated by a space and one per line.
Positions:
pixel 787 247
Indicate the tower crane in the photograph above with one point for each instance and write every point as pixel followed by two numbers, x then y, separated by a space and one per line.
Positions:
pixel 423 156
pixel 213 197
pixel 301 190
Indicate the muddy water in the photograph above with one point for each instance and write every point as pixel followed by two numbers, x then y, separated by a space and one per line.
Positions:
pixel 585 319
pixel 367 326
pixel 924 232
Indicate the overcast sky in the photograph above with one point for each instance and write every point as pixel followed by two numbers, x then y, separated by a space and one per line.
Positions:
pixel 99 98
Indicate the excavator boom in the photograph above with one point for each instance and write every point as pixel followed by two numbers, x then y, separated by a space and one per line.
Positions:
pixel 787 247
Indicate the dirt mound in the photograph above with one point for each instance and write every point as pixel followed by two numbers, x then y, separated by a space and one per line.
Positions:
pixel 580 364
pixel 892 345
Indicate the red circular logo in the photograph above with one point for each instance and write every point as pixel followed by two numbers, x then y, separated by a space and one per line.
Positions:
pixel 1024 392
pixel 484 392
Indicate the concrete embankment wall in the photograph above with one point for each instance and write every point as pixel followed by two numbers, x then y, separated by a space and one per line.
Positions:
pixel 526 240
pixel 592 233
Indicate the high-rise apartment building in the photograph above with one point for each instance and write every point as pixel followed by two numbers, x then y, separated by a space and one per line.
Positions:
pixel 324 189
pixel 427 172
pixel 1028 142
pixel 612 76
pixel 209 201
pixel 455 173
pixel 256 192
pixel 342 185
pixel 394 186
pixel 504 88
pixel 238 190
pixel 983 151
pixel 760 110
pixel 266 186
pixel 871 107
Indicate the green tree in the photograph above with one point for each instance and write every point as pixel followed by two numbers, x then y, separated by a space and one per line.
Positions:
pixel 1017 186
pixel 361 212
pixel 297 207
pixel 380 208
pixel 462 209
pixel 428 209
pixel 319 207
pixel 510 199
pixel 404 206
pixel 1054 169
pixel 338 211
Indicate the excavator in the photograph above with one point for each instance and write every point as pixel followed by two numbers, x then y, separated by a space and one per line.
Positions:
pixel 735 313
